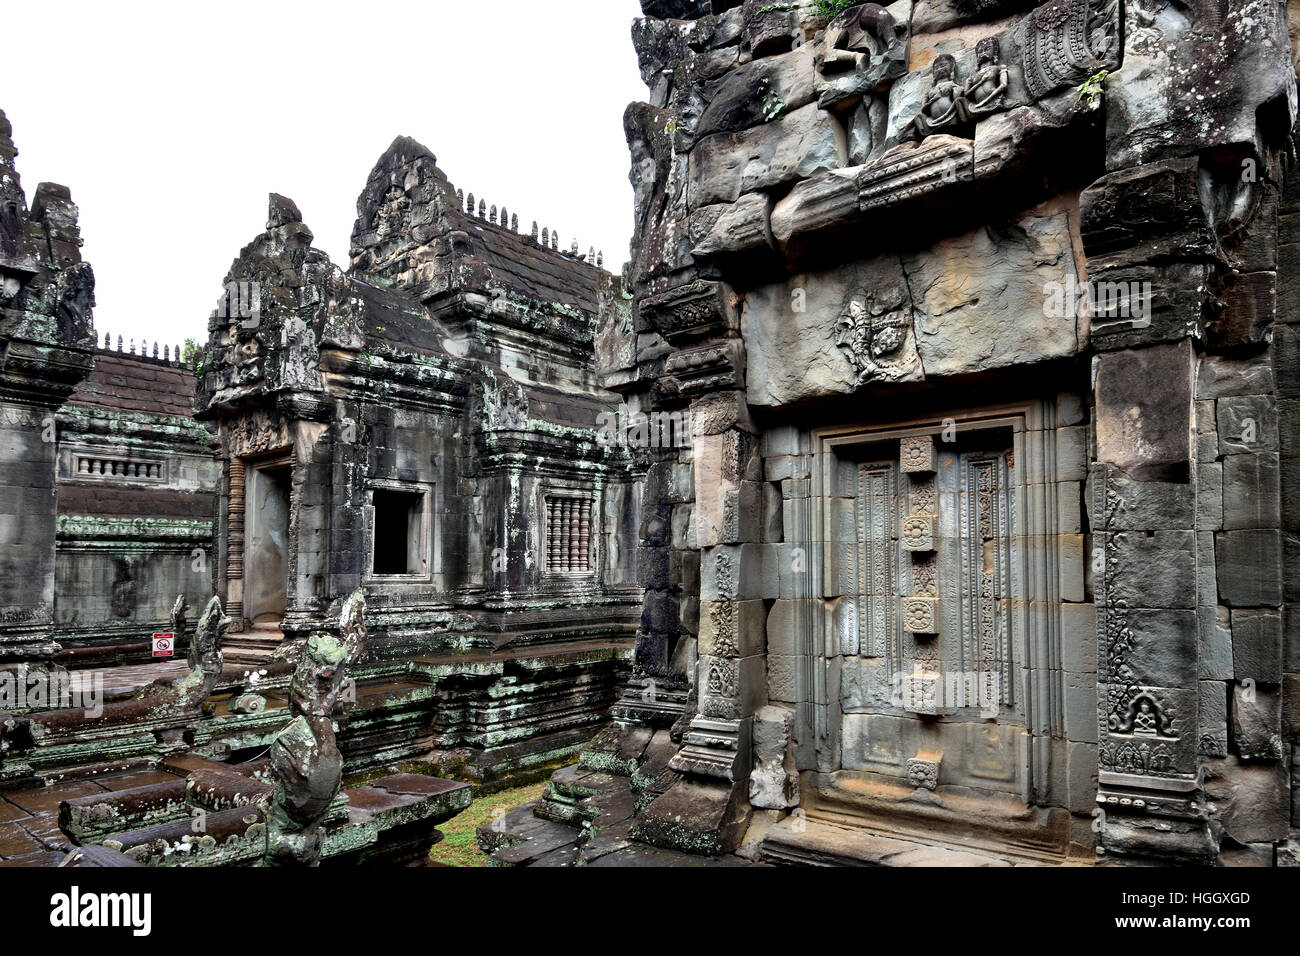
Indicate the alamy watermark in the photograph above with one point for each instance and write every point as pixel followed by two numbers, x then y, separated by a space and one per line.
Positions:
pixel 1108 301
pixel 54 689
pixel 642 430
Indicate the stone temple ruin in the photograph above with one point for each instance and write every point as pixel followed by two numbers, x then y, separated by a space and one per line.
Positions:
pixel 949 514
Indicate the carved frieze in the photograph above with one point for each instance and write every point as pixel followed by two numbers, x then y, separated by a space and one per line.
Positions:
pixel 693 311
pixel 911 170
pixel 255 433
pixel 708 368
pixel 1063 42
pixel 501 403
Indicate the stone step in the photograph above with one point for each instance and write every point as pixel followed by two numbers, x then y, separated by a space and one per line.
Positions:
pixel 802 842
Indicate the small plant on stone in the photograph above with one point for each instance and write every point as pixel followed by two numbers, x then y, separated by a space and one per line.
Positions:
pixel 1093 89
pixel 773 104
pixel 833 8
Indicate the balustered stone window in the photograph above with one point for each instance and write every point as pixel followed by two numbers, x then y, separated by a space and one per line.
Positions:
pixel 93 465
pixel 568 534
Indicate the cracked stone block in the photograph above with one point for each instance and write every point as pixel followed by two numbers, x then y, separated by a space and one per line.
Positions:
pixel 1256 722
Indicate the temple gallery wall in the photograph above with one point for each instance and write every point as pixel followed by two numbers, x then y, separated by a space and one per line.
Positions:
pixel 922 493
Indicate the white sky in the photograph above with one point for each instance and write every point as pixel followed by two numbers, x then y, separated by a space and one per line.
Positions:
pixel 171 122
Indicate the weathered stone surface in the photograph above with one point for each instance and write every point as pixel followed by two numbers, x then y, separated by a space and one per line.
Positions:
pixel 1251 491
pixel 1144 432
pixel 823 202
pixel 1247 424
pixel 726 165
pixel 1156 109
pixel 1256 722
pixel 980 298
pixel 774 783
pixel 1257 645
pixel 1253 802
pixel 1156 570
pixel 742 228
pixel 1214 629
pixel 1249 568
pixel 759 91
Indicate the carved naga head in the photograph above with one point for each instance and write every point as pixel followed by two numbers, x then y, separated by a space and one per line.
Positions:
pixel 318 678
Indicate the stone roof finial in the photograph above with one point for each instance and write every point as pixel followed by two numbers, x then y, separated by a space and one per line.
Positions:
pixel 482 208
pixel 469 208
pixel 514 223
pixel 492 216
pixel 533 235
pixel 600 259
pixel 546 238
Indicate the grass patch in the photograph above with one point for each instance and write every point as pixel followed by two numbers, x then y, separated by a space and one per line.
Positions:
pixel 458 847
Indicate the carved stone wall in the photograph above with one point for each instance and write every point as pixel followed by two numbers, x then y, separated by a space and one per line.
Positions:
pixel 857 234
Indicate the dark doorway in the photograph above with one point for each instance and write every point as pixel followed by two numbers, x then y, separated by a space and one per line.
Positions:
pixel 267 543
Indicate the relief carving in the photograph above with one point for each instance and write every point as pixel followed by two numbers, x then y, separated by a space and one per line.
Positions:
pixel 864 49
pixel 874 331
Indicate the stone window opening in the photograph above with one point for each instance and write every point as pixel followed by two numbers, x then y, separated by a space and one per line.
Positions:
pixel 568 534
pixel 397 533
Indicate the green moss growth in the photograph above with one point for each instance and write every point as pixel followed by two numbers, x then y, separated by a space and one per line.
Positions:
pixel 459 846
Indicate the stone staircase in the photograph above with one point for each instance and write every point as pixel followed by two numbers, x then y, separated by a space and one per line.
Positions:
pixel 255 646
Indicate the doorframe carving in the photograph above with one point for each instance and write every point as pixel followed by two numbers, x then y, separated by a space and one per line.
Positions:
pixel 1036 613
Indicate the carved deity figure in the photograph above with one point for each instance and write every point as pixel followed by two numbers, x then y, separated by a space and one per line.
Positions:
pixel 1143 717
pixel 870 333
pixel 1144 722
pixel 944 103
pixel 305 761
pixel 984 90
pixel 865 41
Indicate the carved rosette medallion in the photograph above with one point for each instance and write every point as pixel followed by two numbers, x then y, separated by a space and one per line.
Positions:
pixel 917 456
pixel 921 615
pixel 916 533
